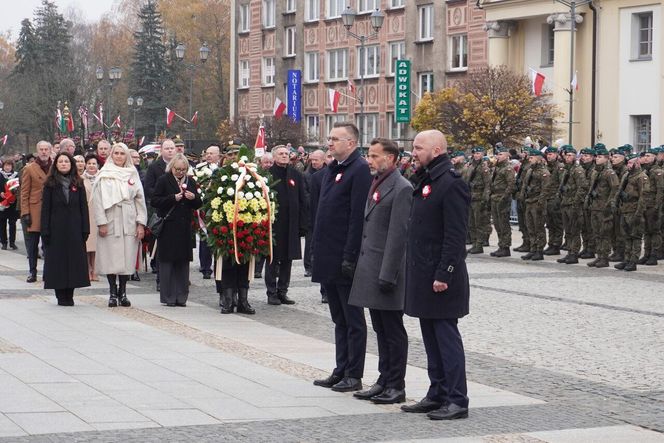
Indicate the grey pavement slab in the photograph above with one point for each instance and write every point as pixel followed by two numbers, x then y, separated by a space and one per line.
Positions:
pixel 49 422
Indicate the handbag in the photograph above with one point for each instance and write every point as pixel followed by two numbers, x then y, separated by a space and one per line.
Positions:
pixel 156 223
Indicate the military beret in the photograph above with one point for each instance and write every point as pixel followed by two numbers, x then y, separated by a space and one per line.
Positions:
pixel 178 141
pixel 568 149
pixel 627 148
pixel 406 154
pixel 632 156
pixel 601 150
pixel 230 149
pixel 614 151
pixel 588 151
pixel 621 151
pixel 499 149
pixel 551 150
pixel 653 150
pixel 599 146
pixel 458 154
pixel 478 149
pixel 534 151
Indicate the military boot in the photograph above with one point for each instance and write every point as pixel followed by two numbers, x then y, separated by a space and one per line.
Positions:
pixel 602 263
pixel 620 266
pixel 527 256
pixel 631 266
pixel 586 254
pixel 593 263
pixel 476 250
pixel 243 306
pixel 563 259
pixel 643 260
pixel 617 256
pixel 539 255
pixel 572 259
pixel 226 297
pixel 552 250
pixel 122 291
pixel 523 248
pixel 652 261
pixel 501 252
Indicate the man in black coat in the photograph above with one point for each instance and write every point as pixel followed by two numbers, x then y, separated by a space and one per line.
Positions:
pixel 336 248
pixel 315 182
pixel 289 225
pixel 316 163
pixel 437 290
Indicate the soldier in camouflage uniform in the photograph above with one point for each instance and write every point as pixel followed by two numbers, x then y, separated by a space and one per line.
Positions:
pixel 573 190
pixel 502 186
pixel 520 204
pixel 660 163
pixel 652 240
pixel 587 162
pixel 600 200
pixel 554 219
pixel 458 159
pixel 478 179
pixel 532 193
pixel 618 239
pixel 631 201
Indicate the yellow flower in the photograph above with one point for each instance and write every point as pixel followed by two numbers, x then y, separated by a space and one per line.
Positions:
pixel 215 203
pixel 217 217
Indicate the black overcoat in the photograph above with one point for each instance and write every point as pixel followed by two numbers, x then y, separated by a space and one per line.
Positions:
pixel 65 226
pixel 156 169
pixel 292 218
pixel 436 248
pixel 339 218
pixel 175 240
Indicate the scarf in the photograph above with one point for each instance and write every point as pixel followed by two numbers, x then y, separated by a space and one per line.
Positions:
pixel 8 175
pixel 44 165
pixel 65 182
pixel 91 178
pixel 112 182
pixel 380 179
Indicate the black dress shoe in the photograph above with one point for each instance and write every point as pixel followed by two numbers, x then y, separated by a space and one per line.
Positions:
pixel 31 278
pixel 390 396
pixel 422 406
pixel 348 384
pixel 273 300
pixel 258 275
pixel 328 382
pixel 449 412
pixel 182 305
pixel 307 273
pixel 135 277
pixel 374 390
pixel 13 247
pixel 283 298
pixel 171 305
pixel 207 275
pixel 4 247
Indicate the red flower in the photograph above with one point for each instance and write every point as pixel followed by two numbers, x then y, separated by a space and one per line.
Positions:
pixel 250 239
pixel 219 243
pixel 239 255
pixel 240 223
pixel 215 231
pixel 232 251
pixel 230 241
pixel 224 230
pixel 254 225
pixel 265 223
pixel 240 234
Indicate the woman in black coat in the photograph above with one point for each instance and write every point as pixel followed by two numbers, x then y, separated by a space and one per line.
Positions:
pixel 9 214
pixel 65 227
pixel 175 197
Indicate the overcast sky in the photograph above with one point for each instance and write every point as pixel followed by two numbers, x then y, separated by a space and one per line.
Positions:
pixel 13 11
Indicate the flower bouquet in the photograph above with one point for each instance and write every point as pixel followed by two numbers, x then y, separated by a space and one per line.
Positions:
pixel 239 209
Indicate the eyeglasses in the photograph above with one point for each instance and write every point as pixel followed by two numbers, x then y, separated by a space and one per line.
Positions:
pixel 337 139
pixel 180 169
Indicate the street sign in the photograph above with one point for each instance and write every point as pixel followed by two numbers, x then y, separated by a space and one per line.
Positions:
pixel 402 92
pixel 294 107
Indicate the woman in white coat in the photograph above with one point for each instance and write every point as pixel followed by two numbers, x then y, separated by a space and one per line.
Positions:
pixel 121 216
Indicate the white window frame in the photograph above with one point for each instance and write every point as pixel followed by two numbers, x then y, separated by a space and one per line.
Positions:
pixel 267 71
pixel 397 52
pixel 291 5
pixel 311 65
pixel 290 41
pixel 548 42
pixel 371 54
pixel 642 124
pixel 425 23
pixel 245 18
pixel 268 13
pixel 313 127
pixel 395 131
pixel 244 74
pixel 459 44
pixel 421 83
pixel 334 8
pixel 395 4
pixel 367 5
pixel 331 119
pixel 371 122
pixel 311 10
pixel 335 59
pixel 638 40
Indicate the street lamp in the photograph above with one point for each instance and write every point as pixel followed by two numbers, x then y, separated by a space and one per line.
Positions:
pixel 203 54
pixel 348 19
pixel 139 103
pixel 114 75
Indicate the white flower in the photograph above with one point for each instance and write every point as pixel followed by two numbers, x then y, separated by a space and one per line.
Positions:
pixel 234 177
pixel 264 179
pixel 240 194
pixel 234 165
pixel 199 191
pixel 208 172
pixel 257 194
pixel 200 173
pixel 251 185
pixel 220 190
pixel 244 158
pixel 230 192
pixel 224 178
pixel 248 195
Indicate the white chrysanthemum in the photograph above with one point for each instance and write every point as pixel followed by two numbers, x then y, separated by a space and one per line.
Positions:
pixel 199 191
pixel 240 194
pixel 234 165
pixel 248 195
pixel 251 185
pixel 224 178
pixel 257 194
pixel 244 158
pixel 220 190
pixel 230 192
pixel 234 177
pixel 208 172
pixel 200 173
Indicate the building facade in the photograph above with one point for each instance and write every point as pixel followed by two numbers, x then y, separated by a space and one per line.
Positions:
pixel 441 39
pixel 615 55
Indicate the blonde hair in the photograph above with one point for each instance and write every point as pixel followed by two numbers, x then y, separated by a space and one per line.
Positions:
pixel 128 162
pixel 178 158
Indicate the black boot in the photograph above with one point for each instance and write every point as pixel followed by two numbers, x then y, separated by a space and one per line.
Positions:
pixel 476 250
pixel 537 256
pixel 617 256
pixel 527 256
pixel 243 306
pixel 572 259
pixel 523 248
pixel 113 289
pixel 563 259
pixel 652 261
pixel 273 299
pixel 122 291
pixel 234 303
pixel 226 298
pixel 620 266
pixel 501 252
pixel 283 298
pixel 135 277
pixel 602 263
pixel 587 254
pixel 552 250
pixel 630 266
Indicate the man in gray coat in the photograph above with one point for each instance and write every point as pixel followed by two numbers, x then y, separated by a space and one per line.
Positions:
pixel 379 282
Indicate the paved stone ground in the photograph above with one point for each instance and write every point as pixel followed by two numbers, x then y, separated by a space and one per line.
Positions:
pixel 585 342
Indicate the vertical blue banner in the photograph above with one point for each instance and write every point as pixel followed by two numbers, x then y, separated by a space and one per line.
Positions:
pixel 294 102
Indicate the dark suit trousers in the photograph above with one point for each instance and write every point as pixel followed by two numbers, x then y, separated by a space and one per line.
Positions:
pixel 392 347
pixel 32 248
pixel 281 270
pixel 350 331
pixel 204 256
pixel 446 361
pixel 306 258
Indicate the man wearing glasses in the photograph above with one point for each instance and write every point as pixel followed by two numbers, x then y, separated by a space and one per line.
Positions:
pixel 336 247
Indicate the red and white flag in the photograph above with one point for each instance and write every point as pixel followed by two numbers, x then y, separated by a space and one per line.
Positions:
pixel 100 111
pixel 279 108
pixel 575 82
pixel 334 96
pixel 140 142
pixel 70 122
pixel 194 119
pixel 260 138
pixel 117 122
pixel 538 81
pixel 170 115
pixel 351 86
pixel 4 139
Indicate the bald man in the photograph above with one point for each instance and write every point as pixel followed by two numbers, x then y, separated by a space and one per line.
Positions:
pixel 67 145
pixel 437 290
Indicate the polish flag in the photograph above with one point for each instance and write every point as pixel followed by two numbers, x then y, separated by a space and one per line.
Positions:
pixel 538 81
pixel 575 82
pixel 170 115
pixel 334 96
pixel 351 86
pixel 4 139
pixel 117 122
pixel 260 138
pixel 140 142
pixel 279 108
pixel 194 119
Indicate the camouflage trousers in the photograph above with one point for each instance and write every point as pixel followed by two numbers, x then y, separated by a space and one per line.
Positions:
pixel 586 232
pixel 523 227
pixel 652 239
pixel 500 214
pixel 535 223
pixel 618 237
pixel 476 223
pixel 632 226
pixel 602 226
pixel 572 223
pixel 554 223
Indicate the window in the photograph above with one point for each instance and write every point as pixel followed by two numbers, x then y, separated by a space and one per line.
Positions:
pixel 268 13
pixel 425 22
pixel 244 73
pixel 368 5
pixel 397 3
pixel 268 71
pixel 313 128
pixel 397 52
pixel 426 83
pixel 547 45
pixel 370 129
pixel 642 132
pixel 336 64
pixel 396 131
pixel 331 119
pixel 369 61
pixel 335 8
pixel 244 18
pixel 459 52
pixel 311 67
pixel 289 46
pixel 290 5
pixel 642 32
pixel 311 11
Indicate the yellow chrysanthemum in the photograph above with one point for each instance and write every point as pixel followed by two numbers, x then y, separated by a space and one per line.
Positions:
pixel 215 203
pixel 217 217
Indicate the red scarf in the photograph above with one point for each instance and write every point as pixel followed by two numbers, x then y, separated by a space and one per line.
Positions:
pixel 45 166
pixel 380 179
